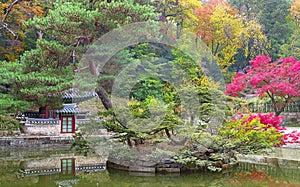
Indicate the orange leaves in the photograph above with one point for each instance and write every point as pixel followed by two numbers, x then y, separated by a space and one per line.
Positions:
pixel 220 28
pixel 227 33
pixel 207 30
pixel 254 175
pixel 21 11
pixel 260 178
pixel 204 28
pixel 13 41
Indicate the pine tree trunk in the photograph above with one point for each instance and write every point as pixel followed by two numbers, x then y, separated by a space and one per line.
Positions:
pixel 104 98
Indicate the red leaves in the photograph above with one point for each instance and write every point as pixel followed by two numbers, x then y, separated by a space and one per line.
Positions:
pixel 291 137
pixel 260 61
pixel 267 119
pixel 238 84
pixel 259 178
pixel 273 79
pixel 281 78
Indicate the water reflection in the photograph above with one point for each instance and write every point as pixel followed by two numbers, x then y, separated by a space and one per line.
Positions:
pixel 43 168
pixel 62 166
pixel 46 167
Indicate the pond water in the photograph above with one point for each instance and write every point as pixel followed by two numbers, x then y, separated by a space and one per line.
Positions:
pixel 61 167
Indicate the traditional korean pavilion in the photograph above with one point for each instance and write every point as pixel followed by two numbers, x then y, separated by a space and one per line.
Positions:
pixel 57 122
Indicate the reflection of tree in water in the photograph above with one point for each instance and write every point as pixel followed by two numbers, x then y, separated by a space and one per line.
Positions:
pixel 244 175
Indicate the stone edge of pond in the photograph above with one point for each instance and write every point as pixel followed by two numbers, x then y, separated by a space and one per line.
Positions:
pixel 269 160
pixel 157 169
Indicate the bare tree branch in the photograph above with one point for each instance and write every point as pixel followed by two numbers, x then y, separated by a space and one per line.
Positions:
pixel 4 25
pixel 39 34
pixel 9 9
pixel 82 69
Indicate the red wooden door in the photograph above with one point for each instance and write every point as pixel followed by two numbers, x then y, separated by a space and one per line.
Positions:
pixel 67 166
pixel 67 124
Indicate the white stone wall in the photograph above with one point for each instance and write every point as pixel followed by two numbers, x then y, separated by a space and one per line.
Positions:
pixel 54 162
pixel 47 130
pixel 46 163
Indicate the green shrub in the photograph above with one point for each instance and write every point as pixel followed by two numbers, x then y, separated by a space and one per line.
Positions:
pixel 211 149
pixel 9 124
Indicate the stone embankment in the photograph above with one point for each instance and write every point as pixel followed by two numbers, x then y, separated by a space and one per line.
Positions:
pixel 17 139
pixel 284 157
pixel 35 141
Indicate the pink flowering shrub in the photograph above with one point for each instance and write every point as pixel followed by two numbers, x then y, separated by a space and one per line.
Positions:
pixel 248 133
pixel 272 121
pixel 268 119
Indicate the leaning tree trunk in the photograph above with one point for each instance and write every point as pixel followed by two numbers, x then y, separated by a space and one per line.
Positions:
pixel 104 97
pixel 278 111
pixel 100 91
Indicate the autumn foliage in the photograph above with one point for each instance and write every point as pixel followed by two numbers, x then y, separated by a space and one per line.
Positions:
pixel 277 80
pixel 12 28
pixel 295 9
pixel 228 34
pixel 205 28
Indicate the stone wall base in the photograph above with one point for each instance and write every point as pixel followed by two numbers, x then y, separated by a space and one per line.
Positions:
pixel 291 117
pixel 36 141
pixel 157 169
pixel 46 130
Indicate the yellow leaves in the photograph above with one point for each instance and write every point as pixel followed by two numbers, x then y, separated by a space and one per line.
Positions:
pixel 189 7
pixel 227 31
pixel 186 13
pixel 11 57
pixel 295 9
pixel 3 6
pixel 295 15
pixel 220 30
pixel 190 3
pixel 228 34
pixel 21 34
pixel 209 82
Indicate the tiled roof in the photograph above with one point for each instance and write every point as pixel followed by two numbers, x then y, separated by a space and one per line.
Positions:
pixel 69 109
pixel 41 121
pixel 74 96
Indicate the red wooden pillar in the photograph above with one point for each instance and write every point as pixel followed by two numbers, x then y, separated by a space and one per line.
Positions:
pixel 53 114
pixel 46 112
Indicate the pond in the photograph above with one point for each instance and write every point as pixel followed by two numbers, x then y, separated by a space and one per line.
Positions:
pixel 61 167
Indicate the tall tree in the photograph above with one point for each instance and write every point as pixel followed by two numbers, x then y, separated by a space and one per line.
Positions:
pixel 230 36
pixel 292 46
pixel 272 15
pixel 65 33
